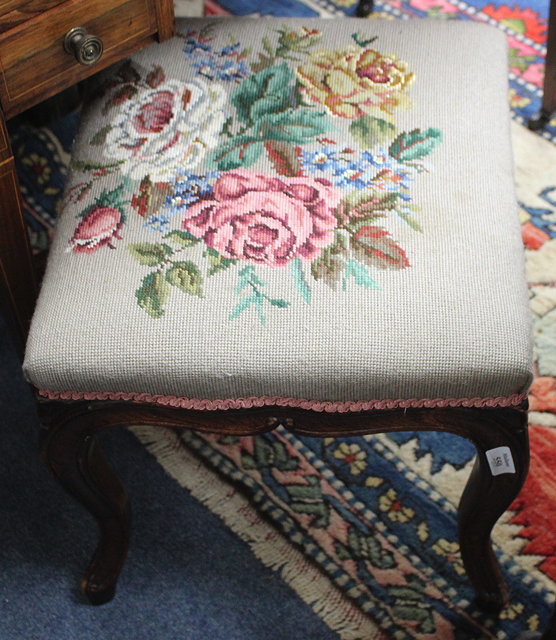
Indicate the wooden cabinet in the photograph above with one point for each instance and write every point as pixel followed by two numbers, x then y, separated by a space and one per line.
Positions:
pixel 34 64
pixel 47 46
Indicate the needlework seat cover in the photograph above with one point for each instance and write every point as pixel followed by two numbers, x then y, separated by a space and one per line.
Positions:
pixel 298 212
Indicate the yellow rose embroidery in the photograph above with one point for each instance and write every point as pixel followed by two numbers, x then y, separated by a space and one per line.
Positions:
pixel 354 82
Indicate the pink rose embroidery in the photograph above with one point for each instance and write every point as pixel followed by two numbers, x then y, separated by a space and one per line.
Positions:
pixel 265 220
pixel 97 229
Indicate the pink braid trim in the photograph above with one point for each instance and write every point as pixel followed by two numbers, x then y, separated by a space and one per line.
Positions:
pixel 314 405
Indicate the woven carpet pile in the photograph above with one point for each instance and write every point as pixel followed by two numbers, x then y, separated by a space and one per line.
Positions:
pixel 364 529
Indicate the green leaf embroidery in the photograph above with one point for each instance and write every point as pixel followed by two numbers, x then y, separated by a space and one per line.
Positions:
pixel 153 293
pixel 406 217
pixel 217 262
pixel 360 275
pixel 278 302
pixel 264 93
pixel 376 247
pixel 294 126
pixel 415 145
pixel 300 282
pixel 361 208
pixel 151 255
pixel 100 136
pixel 370 131
pixel 87 167
pixel 182 238
pixel 358 39
pixel 242 305
pixel 284 157
pixel 186 277
pixel 239 152
pixel 412 603
pixel 248 279
pixel 298 41
pixel 330 265
pixel 112 198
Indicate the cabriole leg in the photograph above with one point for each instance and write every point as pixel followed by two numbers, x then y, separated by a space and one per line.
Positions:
pixel 498 475
pixel 71 452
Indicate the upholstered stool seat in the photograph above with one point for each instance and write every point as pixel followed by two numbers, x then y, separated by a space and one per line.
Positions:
pixel 304 214
pixel 318 215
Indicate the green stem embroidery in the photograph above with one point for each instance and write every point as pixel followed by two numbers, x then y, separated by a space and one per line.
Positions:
pixel 360 41
pixel 360 275
pixel 300 282
pixel 250 281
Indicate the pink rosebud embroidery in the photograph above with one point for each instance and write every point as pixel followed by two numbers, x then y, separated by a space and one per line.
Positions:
pixel 96 229
pixel 265 220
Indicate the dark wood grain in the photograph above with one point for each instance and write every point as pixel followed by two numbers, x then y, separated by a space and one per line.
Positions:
pixel 18 287
pixel 549 91
pixel 87 476
pixel 165 19
pixel 548 634
pixel 14 12
pixel 35 64
pixel 550 631
pixel 73 427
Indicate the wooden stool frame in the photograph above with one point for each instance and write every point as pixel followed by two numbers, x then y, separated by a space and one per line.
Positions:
pixel 70 449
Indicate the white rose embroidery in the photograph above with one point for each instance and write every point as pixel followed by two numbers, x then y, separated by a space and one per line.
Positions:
pixel 165 128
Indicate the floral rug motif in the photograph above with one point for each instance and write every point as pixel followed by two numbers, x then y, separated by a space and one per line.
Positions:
pixel 376 515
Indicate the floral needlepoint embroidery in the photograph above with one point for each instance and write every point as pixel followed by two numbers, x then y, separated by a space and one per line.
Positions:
pixel 100 224
pixel 166 128
pixel 354 82
pixel 279 161
pixel 264 219
pixel 98 228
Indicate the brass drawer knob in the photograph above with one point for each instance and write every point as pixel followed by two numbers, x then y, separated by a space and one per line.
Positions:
pixel 86 48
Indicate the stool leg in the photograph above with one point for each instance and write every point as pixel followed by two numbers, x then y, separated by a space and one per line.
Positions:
pixel 364 8
pixel 487 496
pixel 71 452
pixel 549 632
pixel 548 106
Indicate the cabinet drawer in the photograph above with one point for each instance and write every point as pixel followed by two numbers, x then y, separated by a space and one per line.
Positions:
pixel 14 12
pixel 34 63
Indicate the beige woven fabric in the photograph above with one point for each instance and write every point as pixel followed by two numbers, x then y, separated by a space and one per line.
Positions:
pixel 292 209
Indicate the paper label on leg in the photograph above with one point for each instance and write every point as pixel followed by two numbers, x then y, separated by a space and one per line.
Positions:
pixel 500 461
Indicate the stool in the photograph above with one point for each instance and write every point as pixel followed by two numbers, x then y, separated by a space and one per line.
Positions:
pixel 300 222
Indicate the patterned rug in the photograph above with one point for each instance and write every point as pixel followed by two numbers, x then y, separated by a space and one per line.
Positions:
pixel 364 529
